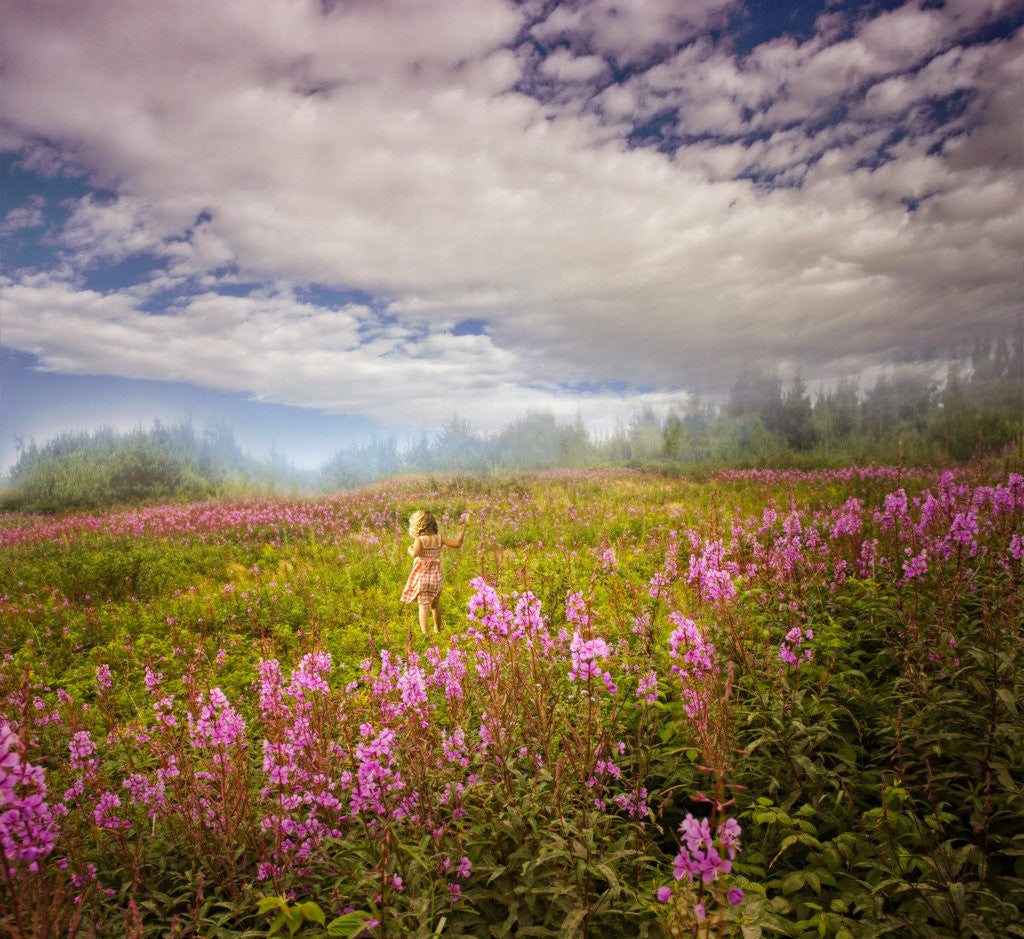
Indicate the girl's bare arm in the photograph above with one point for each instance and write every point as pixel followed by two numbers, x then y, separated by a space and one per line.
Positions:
pixel 455 542
pixel 414 548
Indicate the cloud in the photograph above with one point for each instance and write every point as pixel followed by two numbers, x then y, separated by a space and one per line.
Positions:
pixel 627 32
pixel 566 67
pixel 286 351
pixel 24 217
pixel 825 202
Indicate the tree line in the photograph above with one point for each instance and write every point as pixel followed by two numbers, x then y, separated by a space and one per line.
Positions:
pixel 975 410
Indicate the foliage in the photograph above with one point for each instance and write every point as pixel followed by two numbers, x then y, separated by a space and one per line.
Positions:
pixel 104 468
pixel 773 703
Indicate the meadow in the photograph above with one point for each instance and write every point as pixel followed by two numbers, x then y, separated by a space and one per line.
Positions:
pixel 765 703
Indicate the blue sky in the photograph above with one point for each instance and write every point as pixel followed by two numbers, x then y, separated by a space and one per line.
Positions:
pixel 322 221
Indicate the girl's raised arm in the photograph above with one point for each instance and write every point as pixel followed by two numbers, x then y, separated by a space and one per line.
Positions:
pixel 455 542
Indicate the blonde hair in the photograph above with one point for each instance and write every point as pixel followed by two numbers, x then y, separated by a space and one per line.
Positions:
pixel 422 522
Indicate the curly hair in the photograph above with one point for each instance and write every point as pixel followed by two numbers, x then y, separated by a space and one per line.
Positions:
pixel 422 523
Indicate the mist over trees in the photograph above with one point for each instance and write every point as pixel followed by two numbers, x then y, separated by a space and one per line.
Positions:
pixel 976 410
pixel 86 470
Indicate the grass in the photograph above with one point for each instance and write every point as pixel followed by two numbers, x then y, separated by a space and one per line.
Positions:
pixel 242 732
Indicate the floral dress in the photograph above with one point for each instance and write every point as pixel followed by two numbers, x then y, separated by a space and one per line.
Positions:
pixel 426 580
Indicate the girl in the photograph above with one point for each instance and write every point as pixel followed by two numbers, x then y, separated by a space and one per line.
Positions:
pixel 426 580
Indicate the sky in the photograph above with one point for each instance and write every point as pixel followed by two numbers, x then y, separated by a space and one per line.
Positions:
pixel 320 221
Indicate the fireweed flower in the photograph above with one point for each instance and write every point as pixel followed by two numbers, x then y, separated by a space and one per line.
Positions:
pixel 28 829
pixel 375 776
pixel 218 724
pixel 965 530
pixel 576 611
pixel 485 606
pixel 633 804
pixel 153 679
pixel 82 749
pixel 791 650
pixel 608 562
pixel 687 642
pixel 699 661
pixel 454 747
pixel 711 573
pixel 412 684
pixel 585 655
pixel 914 568
pixel 894 509
pixel 699 857
pixel 658 586
pixel 269 687
pixel 150 793
pixel 849 519
pixel 104 814
pixel 103 678
pixel 647 687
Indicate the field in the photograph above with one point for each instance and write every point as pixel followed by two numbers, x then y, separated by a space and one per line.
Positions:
pixel 761 704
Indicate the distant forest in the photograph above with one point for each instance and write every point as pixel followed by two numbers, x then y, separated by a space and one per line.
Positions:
pixel 976 411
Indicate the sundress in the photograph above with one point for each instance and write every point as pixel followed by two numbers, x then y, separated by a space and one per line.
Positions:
pixel 426 580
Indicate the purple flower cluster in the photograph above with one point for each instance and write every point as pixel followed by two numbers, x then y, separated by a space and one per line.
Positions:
pixel 28 828
pixel 699 664
pixel 218 724
pixel 699 857
pixel 792 650
pixel 586 656
pixel 710 573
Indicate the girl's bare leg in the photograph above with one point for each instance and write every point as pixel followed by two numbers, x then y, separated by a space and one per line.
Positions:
pixel 424 617
pixel 435 608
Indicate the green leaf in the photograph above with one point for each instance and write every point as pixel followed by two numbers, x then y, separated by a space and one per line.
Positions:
pixel 351 924
pixel 956 892
pixel 571 924
pixel 312 912
pixel 271 903
pixel 792 882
